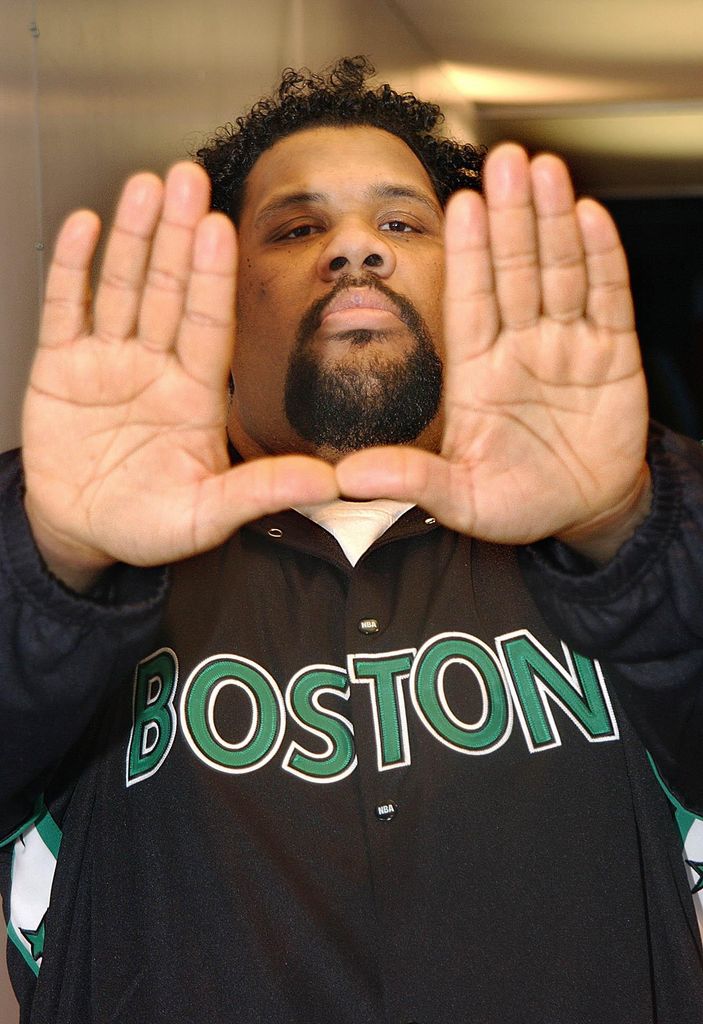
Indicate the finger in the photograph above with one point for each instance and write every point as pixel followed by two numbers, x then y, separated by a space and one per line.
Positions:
pixel 470 308
pixel 186 202
pixel 513 235
pixel 121 279
pixel 204 342
pixel 562 261
pixel 609 300
pixel 407 474
pixel 259 487
pixel 66 312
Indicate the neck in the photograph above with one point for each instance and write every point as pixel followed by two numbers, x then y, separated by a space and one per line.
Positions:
pixel 250 447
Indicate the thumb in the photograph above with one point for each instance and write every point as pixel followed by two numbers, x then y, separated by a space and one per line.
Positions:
pixel 408 474
pixel 256 488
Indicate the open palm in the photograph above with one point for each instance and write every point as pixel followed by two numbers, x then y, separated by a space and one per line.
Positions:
pixel 125 451
pixel 545 402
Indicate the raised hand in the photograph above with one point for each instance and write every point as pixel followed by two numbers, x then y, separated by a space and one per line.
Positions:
pixel 545 401
pixel 125 452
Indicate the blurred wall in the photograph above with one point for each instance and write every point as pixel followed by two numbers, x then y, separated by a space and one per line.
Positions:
pixel 93 89
pixel 20 219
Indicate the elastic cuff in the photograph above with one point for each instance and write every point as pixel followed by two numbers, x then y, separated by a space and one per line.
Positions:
pixel 124 591
pixel 574 578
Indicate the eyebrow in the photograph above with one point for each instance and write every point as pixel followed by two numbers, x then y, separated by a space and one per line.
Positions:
pixel 284 202
pixel 383 190
pixel 390 191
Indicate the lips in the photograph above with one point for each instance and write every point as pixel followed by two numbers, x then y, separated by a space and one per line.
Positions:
pixel 359 299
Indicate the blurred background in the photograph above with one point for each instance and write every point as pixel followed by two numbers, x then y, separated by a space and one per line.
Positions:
pixel 94 89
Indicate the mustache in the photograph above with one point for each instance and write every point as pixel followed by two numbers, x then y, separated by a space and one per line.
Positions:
pixel 312 318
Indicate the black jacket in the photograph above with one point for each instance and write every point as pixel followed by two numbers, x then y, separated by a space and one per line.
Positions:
pixel 278 788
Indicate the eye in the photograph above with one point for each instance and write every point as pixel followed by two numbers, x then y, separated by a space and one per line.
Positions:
pixel 398 226
pixel 300 231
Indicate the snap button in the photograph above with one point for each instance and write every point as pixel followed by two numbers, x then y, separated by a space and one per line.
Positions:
pixel 368 626
pixel 275 532
pixel 430 521
pixel 386 812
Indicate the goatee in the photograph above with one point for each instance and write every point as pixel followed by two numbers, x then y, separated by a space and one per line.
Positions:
pixel 378 401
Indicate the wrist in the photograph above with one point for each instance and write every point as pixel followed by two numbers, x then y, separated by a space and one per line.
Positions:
pixel 600 539
pixel 75 565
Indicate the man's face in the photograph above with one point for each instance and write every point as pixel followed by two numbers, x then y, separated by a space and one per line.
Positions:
pixel 339 297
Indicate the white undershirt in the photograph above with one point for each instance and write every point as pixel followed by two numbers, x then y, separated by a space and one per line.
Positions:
pixel 355 525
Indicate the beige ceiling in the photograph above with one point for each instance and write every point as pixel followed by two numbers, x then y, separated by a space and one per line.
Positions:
pixel 616 85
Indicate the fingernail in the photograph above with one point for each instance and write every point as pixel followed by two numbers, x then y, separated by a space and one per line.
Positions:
pixel 141 190
pixel 210 243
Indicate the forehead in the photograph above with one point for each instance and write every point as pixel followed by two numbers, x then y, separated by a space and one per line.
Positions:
pixel 336 163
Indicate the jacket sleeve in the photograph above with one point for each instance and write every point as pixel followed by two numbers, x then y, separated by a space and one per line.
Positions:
pixel 642 613
pixel 60 652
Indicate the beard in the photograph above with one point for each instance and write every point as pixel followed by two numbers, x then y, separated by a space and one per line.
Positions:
pixel 376 402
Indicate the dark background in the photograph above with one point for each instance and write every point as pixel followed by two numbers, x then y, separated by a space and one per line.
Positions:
pixel 663 238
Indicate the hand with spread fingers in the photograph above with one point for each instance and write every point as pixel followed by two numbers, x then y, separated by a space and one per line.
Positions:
pixel 545 403
pixel 125 452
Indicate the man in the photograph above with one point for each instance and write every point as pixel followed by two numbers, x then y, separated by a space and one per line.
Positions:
pixel 346 772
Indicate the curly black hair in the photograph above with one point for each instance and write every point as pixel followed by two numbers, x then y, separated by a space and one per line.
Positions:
pixel 337 97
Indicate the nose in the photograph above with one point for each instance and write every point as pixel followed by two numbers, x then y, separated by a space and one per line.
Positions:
pixel 354 247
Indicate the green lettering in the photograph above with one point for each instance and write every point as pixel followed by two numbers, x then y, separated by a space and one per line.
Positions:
pixel 265 729
pixel 153 717
pixel 538 681
pixel 338 757
pixel 482 670
pixel 384 674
